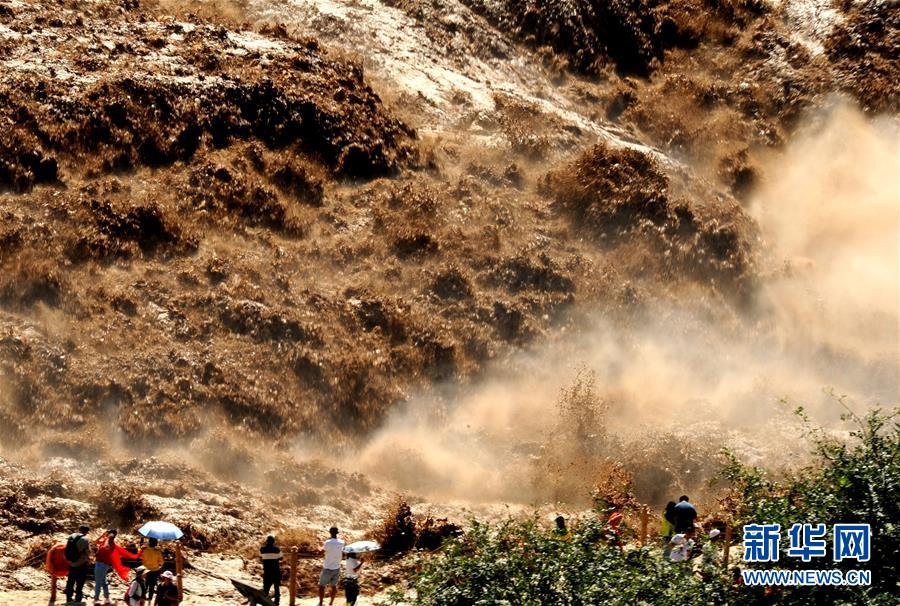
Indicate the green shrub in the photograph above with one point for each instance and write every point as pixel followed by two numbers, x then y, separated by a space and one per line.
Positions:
pixel 521 563
pixel 854 481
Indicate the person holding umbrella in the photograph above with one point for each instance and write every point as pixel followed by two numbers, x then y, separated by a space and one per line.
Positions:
pixel 151 557
pixel 352 567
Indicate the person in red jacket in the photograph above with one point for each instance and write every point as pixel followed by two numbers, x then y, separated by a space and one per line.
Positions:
pixel 109 555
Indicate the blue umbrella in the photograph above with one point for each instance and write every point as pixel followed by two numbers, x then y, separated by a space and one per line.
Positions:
pixel 164 531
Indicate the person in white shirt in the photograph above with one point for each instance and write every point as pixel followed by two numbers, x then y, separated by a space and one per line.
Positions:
pixel 681 546
pixel 331 567
pixel 136 594
pixel 352 567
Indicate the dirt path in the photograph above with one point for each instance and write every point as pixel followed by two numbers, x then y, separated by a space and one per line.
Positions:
pixel 39 598
pixel 207 584
pixel 226 595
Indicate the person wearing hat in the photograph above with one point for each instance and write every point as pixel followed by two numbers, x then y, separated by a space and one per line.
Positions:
pixel 77 552
pixel 137 591
pixel 167 594
pixel 710 552
pixel 681 546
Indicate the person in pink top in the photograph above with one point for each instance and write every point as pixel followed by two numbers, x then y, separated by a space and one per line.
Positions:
pixel 109 555
pixel 106 546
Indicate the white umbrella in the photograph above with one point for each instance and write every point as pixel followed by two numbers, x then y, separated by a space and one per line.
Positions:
pixel 362 547
pixel 164 531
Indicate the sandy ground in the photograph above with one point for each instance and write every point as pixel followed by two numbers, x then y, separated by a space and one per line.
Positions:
pixel 39 598
pixel 224 596
pixel 203 587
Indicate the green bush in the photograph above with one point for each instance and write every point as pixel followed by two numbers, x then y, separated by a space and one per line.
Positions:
pixel 521 563
pixel 854 481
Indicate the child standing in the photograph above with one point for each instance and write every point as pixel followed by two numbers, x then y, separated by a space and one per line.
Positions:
pixel 352 567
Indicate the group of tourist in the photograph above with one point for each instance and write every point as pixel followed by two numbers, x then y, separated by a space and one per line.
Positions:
pixel 329 578
pixel 679 530
pixel 149 585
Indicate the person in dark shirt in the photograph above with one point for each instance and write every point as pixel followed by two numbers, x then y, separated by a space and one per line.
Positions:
pixel 685 514
pixel 271 560
pixel 78 564
pixel 167 592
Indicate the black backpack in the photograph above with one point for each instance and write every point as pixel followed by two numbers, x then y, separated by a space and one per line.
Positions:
pixel 72 552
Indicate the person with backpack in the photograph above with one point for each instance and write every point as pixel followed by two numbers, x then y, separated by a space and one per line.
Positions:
pixel 271 557
pixel 77 552
pixel 137 591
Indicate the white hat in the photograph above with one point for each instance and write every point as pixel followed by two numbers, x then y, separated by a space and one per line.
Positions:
pixel 714 533
pixel 167 575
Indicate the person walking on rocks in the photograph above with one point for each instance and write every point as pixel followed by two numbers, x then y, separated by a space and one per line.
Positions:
pixel 271 560
pixel 78 552
pixel 331 567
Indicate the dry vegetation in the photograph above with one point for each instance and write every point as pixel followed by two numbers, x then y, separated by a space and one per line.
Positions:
pixel 580 459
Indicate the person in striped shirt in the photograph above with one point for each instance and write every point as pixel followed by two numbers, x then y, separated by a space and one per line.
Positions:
pixel 271 560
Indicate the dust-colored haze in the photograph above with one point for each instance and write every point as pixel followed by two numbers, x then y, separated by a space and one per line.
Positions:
pixel 827 319
pixel 832 211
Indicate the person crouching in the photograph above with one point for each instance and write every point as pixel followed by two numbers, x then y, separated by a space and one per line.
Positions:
pixel 137 591
pixel 167 593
